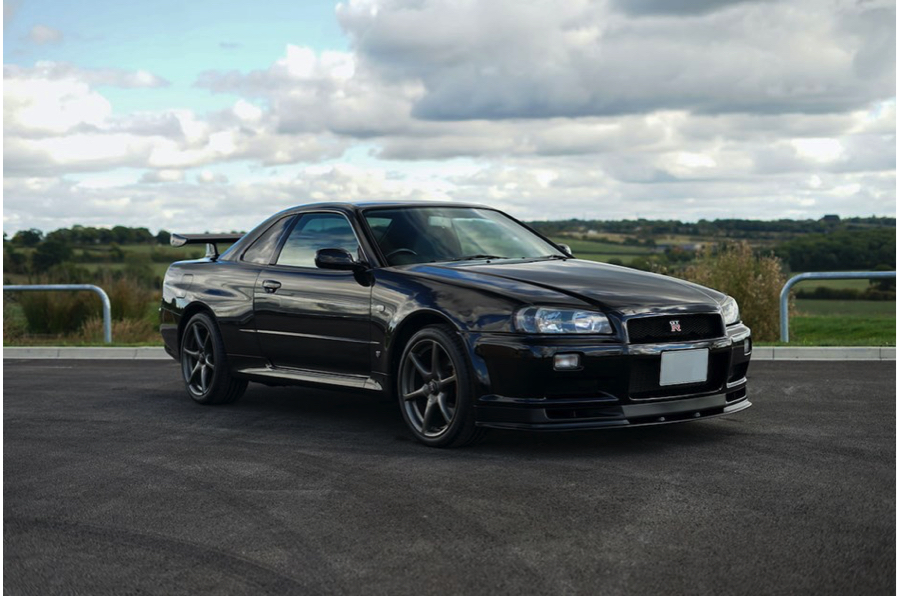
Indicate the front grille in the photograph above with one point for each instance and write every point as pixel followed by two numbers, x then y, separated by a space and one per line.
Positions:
pixel 644 378
pixel 649 330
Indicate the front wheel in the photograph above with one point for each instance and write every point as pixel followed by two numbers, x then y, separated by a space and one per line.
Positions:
pixel 434 387
pixel 204 366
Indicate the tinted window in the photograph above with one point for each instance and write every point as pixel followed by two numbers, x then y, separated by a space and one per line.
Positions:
pixel 262 250
pixel 315 231
pixel 428 234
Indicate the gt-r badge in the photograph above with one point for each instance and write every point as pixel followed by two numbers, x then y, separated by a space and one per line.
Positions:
pixel 676 326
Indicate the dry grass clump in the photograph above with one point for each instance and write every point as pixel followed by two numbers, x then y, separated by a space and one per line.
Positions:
pixel 754 280
pixel 128 298
pixel 124 331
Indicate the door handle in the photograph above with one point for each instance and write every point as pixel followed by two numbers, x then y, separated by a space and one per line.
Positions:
pixel 271 286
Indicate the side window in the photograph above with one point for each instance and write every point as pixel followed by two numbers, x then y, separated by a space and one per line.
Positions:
pixel 315 231
pixel 263 248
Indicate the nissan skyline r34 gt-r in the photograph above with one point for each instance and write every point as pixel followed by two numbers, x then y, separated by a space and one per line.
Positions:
pixel 469 318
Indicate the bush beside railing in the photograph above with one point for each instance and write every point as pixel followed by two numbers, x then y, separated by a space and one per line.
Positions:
pixel 754 280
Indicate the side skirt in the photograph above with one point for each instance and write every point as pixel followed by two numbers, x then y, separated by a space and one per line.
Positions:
pixel 302 376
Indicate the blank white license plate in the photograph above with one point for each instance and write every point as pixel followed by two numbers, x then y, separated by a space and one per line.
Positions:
pixel 683 366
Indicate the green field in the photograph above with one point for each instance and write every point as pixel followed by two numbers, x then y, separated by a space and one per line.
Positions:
pixel 591 247
pixel 844 323
pixel 847 308
pixel 602 251
pixel 835 284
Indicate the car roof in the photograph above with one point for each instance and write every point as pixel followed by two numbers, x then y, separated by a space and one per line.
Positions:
pixel 365 204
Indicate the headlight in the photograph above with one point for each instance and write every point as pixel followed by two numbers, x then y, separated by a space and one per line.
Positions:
pixel 730 311
pixel 540 319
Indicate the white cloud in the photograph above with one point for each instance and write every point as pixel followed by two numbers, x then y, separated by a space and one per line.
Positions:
pixel 42 34
pixel 55 120
pixel 506 59
pixel 818 150
pixel 157 176
pixel 208 177
pixel 613 109
pixel 38 105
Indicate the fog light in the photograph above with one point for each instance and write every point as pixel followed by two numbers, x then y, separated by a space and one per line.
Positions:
pixel 747 346
pixel 566 361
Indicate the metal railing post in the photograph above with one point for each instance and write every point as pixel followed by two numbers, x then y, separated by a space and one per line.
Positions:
pixel 107 314
pixel 785 291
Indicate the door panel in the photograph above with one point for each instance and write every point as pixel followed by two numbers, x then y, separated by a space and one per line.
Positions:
pixel 310 318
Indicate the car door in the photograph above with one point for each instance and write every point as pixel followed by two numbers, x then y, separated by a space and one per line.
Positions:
pixel 309 318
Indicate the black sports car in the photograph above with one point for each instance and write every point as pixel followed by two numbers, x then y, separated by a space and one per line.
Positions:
pixel 470 318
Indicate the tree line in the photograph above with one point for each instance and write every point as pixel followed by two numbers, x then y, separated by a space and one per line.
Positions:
pixel 724 228
pixel 828 244
pixel 842 250
pixel 84 235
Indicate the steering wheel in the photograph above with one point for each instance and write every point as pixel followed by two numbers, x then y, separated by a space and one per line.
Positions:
pixel 400 251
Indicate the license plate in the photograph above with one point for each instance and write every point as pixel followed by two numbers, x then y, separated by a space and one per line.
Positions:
pixel 683 366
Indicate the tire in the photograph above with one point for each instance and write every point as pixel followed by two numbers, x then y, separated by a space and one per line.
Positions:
pixel 204 365
pixel 435 389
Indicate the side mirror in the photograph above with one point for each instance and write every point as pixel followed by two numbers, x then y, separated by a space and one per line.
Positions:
pixel 565 248
pixel 337 258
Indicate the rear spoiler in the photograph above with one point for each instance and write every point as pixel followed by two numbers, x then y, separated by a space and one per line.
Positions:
pixel 210 240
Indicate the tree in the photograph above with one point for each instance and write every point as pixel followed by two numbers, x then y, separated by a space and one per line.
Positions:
pixel 163 237
pixel 122 235
pixel 13 261
pixel 49 253
pixel 30 237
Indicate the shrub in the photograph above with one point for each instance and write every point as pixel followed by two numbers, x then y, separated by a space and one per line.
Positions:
pixel 61 312
pixel 14 323
pixel 129 297
pixel 755 281
pixel 56 312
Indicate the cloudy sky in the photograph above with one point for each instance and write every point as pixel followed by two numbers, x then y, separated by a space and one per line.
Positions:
pixel 205 115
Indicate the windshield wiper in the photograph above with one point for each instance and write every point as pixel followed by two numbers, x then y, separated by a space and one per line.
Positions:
pixel 478 257
pixel 554 257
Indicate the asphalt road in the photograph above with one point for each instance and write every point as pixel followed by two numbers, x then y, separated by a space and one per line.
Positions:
pixel 116 483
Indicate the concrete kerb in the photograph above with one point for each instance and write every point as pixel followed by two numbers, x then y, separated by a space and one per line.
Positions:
pixel 88 353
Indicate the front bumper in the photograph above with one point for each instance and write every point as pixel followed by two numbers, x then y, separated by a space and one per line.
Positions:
pixel 617 384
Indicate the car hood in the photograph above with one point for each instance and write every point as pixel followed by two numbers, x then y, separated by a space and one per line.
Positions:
pixel 609 287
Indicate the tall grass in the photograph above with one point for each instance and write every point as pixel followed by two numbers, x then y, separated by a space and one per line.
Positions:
pixel 754 280
pixel 132 292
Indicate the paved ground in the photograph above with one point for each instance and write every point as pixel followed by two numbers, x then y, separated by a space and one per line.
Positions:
pixel 115 482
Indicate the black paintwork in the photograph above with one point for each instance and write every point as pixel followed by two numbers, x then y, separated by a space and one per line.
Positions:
pixel 285 325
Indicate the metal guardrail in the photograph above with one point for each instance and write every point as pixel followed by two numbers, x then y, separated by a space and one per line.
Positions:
pixel 107 316
pixel 785 291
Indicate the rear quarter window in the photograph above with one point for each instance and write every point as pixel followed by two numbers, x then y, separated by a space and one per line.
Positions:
pixel 263 248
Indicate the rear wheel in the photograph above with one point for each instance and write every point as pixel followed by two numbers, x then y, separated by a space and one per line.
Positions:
pixel 204 366
pixel 435 389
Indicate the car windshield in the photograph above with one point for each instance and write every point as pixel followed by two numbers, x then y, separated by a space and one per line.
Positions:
pixel 428 234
